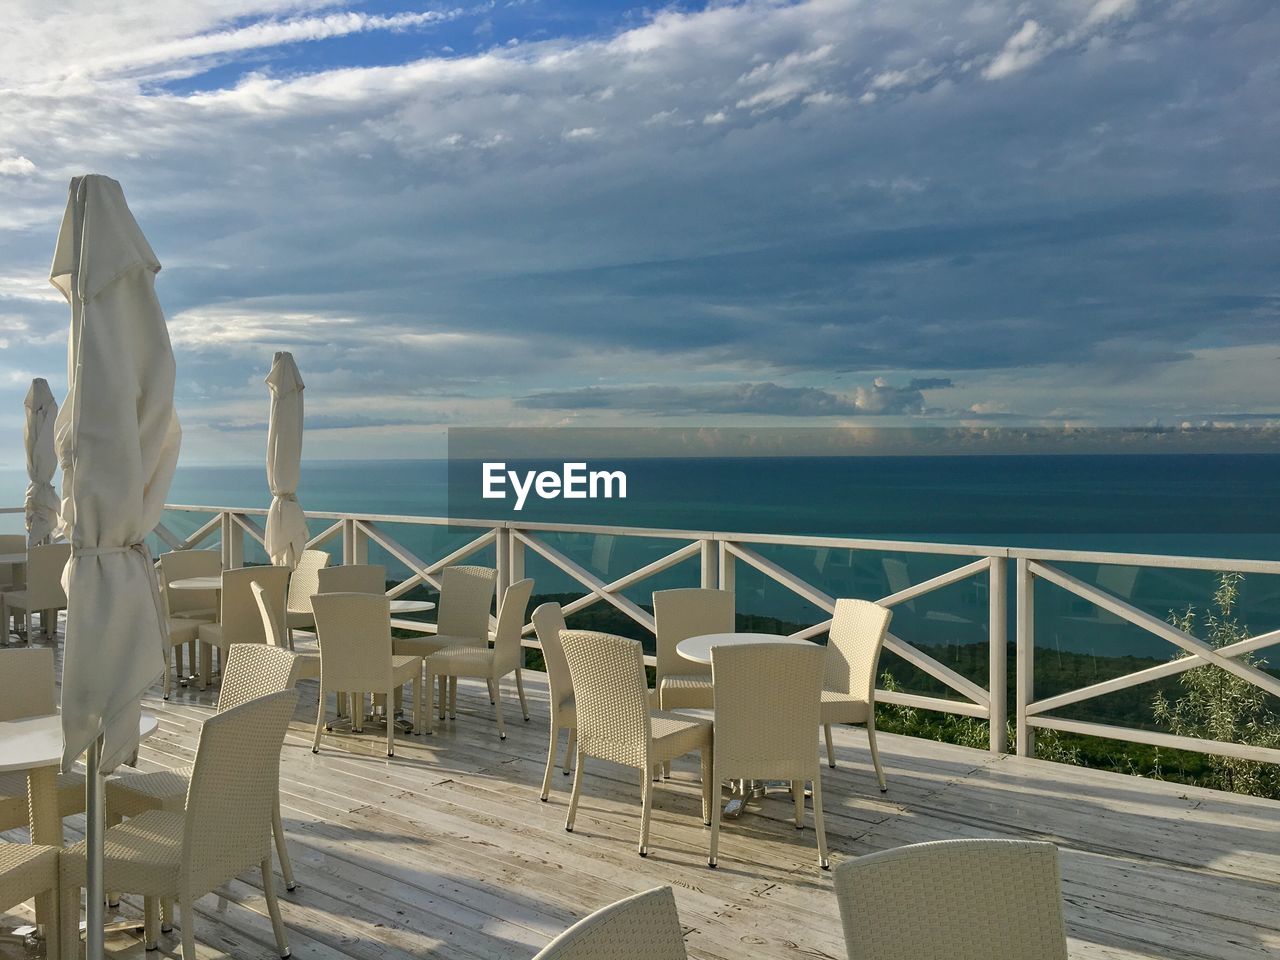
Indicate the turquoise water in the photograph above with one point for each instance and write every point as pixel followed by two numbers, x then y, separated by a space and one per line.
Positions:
pixel 1206 505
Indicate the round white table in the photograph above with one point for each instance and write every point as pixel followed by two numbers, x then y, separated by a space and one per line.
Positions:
pixel 196 583
pixel 34 745
pixel 411 606
pixel 698 650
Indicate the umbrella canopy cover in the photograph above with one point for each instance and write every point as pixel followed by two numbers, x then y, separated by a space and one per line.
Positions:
pixel 37 434
pixel 117 441
pixel 286 523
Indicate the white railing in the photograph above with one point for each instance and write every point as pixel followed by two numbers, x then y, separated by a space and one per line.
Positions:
pixel 719 557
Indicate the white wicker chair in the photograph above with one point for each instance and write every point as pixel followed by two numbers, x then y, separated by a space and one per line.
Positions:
pixel 27 690
pixel 642 927
pixel 355 657
pixel 240 621
pixel 306 664
pixel 767 704
pixel 462 619
pixel 30 870
pixel 12 575
pixel 304 583
pixel 679 615
pixel 253 670
pixel 186 609
pixel 857 634
pixel 352 578
pixel 224 828
pixel 42 593
pixel 958 899
pixel 482 662
pixel 616 722
pixel 548 621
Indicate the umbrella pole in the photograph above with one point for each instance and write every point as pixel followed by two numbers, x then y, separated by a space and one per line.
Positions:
pixel 95 895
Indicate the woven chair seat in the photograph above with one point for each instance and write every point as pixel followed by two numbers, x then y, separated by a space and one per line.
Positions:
pixel 14 811
pixel 211 633
pixel 183 630
pixel 675 734
pixel 131 794
pixel 427 644
pixel 843 708
pixel 460 661
pixel 26 869
pixel 207 614
pixel 686 690
pixel 142 855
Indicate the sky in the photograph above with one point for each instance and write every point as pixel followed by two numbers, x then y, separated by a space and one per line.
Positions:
pixel 538 213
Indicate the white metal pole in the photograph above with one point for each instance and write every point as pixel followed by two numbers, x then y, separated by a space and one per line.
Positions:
pixel 95 895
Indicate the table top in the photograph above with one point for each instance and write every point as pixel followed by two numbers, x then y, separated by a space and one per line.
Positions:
pixel 698 649
pixel 411 606
pixel 37 741
pixel 8 558
pixel 196 583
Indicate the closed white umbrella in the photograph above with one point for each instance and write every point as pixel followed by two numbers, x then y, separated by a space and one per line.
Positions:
pixel 117 441
pixel 37 435
pixel 286 536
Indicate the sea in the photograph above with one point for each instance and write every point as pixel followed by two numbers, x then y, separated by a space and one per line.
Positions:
pixel 1205 505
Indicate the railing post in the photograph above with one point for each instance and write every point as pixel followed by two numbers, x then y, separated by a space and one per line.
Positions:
pixel 728 578
pixel 710 565
pixel 997 638
pixel 1026 641
pixel 502 545
pixel 515 555
pixel 232 542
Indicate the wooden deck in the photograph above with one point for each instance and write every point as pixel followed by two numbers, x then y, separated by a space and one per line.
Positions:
pixel 446 851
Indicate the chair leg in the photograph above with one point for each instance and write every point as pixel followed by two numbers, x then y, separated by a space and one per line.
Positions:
pixel 391 723
pixel 493 693
pixel 497 712
pixel 176 651
pixel 875 754
pixel 551 762
pixel 150 922
pixel 417 703
pixel 708 784
pixel 315 743
pixel 187 916
pixel 282 850
pixel 831 750
pixel 797 794
pixel 569 749
pixel 646 808
pixel 453 698
pixel 166 915
pixel 715 820
pixel 524 704
pixel 273 908
pixel 206 668
pixel 66 938
pixel 444 696
pixel 818 827
pixel 573 797
pixel 168 671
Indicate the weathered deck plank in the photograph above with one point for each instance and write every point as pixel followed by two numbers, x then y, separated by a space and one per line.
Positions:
pixel 445 850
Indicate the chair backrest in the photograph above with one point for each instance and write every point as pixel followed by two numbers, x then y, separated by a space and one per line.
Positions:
pixel 768 699
pixel 611 694
pixel 642 927
pixel 271 624
pixel 897 577
pixel 180 564
pixel 241 621
pixel 305 581
pixel 466 594
pixel 681 614
pixel 548 621
pixel 508 652
pixel 44 576
pixel 11 543
pixel 959 899
pixel 352 578
pixel 853 647
pixel 26 683
pixel 255 670
pixel 354 630
pixel 233 789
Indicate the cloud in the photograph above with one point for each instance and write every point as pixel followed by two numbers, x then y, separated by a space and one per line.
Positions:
pixel 765 399
pixel 1027 47
pixel 16 167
